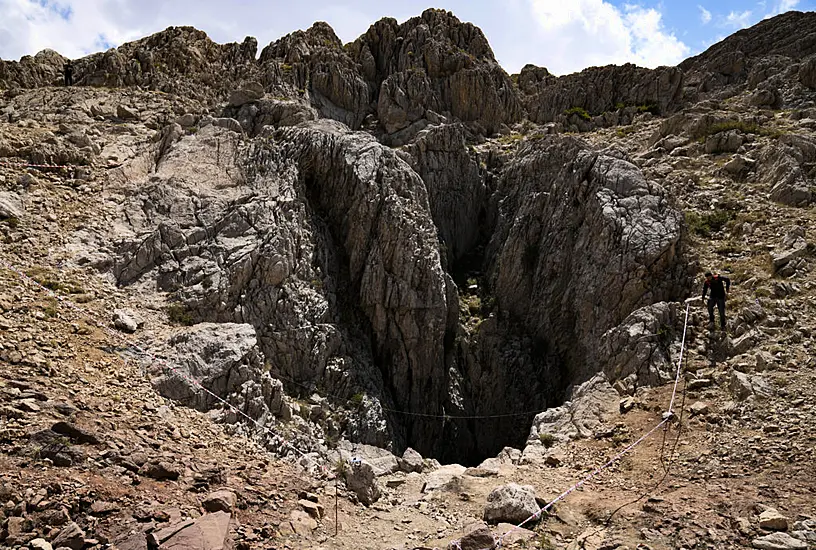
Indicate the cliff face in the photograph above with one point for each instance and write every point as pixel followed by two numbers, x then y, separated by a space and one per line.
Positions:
pixel 349 203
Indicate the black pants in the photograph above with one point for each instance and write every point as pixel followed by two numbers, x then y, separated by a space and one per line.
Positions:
pixel 720 302
pixel 69 80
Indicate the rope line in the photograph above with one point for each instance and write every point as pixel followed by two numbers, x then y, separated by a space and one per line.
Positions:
pixel 666 417
pixel 162 362
pixel 279 437
pixel 29 165
pixel 408 413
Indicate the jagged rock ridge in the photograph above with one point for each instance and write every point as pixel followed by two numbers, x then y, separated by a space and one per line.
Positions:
pixel 350 259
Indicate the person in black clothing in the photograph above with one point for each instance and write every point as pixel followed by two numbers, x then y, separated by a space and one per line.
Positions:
pixel 68 73
pixel 719 287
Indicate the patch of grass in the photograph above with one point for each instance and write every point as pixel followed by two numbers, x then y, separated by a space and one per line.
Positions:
pixel 473 304
pixel 547 439
pixel 52 282
pixel 510 138
pixel 650 108
pixel 580 111
pixel 710 222
pixel 729 247
pixel 357 399
pixel 619 105
pixel 179 314
pixel 12 222
pixel 50 309
pixel 624 131
pixel 742 126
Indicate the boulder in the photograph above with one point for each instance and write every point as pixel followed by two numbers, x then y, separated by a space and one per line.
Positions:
pixel 126 113
pixel 778 541
pixel 582 416
pixel 252 91
pixel 10 205
pixel 223 500
pixel 160 470
pixel 411 461
pixel 71 536
pixel 807 72
pixel 361 479
pixel 210 532
pixel 511 503
pixel 124 320
pixel 476 537
pixel 772 520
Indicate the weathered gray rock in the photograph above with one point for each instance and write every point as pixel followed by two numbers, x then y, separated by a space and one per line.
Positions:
pixel 251 91
pixel 784 165
pixel 360 479
pixel 442 476
pixel 638 349
pixel 126 113
pixel 807 72
pixel 778 541
pixel 743 386
pixel 411 461
pixel 599 90
pixel 228 123
pixel 582 416
pixel 510 503
pixel 724 142
pixel 10 205
pixel 124 321
pixel 40 544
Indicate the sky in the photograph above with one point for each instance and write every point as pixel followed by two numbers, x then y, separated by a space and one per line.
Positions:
pixel 563 35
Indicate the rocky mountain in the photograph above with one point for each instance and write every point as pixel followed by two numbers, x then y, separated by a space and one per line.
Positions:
pixel 392 249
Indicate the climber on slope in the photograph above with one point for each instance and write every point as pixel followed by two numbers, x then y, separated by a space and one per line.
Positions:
pixel 719 287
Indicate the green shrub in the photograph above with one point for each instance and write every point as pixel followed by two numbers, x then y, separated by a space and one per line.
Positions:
pixel 580 111
pixel 357 399
pixel 742 126
pixel 12 222
pixel 650 108
pixel 180 314
pixel 547 439
pixel 710 222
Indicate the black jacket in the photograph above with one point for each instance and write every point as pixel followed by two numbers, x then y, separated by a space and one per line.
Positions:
pixel 718 290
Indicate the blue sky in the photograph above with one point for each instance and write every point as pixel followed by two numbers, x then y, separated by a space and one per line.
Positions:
pixel 562 35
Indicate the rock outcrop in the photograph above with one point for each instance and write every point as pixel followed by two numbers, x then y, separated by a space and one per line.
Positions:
pixel 612 95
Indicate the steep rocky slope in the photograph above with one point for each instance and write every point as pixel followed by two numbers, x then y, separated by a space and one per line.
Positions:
pixel 393 242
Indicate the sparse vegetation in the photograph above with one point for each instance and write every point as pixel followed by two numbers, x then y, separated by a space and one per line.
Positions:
pixel 547 439
pixel 704 225
pixel 650 108
pixel 579 111
pixel 357 399
pixel 179 314
pixel 52 282
pixel 12 222
pixel 742 126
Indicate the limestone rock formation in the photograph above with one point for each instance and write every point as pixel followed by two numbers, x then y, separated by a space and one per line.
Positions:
pixel 613 94
pixel 572 229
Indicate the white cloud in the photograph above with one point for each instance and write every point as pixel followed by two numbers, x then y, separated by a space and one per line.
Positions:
pixel 705 15
pixel 786 5
pixel 577 34
pixel 739 20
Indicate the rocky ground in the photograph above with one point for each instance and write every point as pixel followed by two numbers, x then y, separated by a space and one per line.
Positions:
pixel 147 228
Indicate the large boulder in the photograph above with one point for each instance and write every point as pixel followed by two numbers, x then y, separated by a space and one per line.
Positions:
pixel 510 503
pixel 361 479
